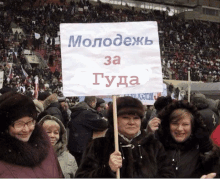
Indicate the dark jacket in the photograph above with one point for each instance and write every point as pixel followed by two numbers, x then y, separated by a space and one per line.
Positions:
pixel 208 110
pixel 32 159
pixel 188 158
pixel 53 108
pixel 84 120
pixel 189 162
pixel 143 157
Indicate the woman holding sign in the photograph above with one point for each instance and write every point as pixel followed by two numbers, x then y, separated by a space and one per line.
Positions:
pixel 139 155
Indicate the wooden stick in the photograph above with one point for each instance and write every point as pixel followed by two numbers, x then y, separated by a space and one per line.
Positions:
pixel 115 129
pixel 189 86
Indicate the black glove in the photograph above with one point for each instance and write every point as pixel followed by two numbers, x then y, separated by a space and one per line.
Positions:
pixel 205 143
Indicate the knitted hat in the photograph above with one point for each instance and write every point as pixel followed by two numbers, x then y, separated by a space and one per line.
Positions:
pixel 14 106
pixel 126 105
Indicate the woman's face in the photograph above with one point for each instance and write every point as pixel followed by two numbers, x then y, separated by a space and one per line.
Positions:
pixel 181 130
pixel 53 130
pixel 22 128
pixel 129 125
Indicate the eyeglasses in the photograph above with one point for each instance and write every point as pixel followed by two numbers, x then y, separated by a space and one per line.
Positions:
pixel 21 125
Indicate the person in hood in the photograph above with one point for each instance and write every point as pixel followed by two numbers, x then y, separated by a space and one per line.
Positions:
pixel 26 151
pixel 84 121
pixel 58 138
pixel 208 109
pixel 186 140
pixel 140 155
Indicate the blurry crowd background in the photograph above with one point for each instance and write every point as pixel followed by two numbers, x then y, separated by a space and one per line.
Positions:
pixel 185 44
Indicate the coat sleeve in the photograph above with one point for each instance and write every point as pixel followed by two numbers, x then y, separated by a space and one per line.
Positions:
pixel 165 169
pixel 211 162
pixel 94 121
pixel 94 162
pixel 73 164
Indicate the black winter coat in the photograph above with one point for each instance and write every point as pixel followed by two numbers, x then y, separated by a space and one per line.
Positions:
pixel 185 159
pixel 84 120
pixel 143 157
pixel 189 162
pixel 189 157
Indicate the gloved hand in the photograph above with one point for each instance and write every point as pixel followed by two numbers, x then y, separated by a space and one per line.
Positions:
pixel 205 143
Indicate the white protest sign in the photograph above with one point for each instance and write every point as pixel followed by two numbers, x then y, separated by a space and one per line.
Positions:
pixel 110 58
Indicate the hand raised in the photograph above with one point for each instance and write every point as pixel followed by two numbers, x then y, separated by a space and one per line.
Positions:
pixel 154 124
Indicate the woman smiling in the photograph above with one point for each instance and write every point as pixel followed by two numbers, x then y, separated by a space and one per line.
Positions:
pixel 25 150
pixel 186 140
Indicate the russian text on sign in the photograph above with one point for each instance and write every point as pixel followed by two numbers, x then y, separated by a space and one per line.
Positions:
pixel 118 41
pixel 122 80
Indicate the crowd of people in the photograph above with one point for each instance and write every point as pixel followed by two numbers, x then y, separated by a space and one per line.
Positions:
pixel 44 134
pixel 49 138
pixel 185 44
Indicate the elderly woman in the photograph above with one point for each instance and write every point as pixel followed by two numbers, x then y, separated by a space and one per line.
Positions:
pixel 25 150
pixel 141 155
pixel 186 140
pixel 58 138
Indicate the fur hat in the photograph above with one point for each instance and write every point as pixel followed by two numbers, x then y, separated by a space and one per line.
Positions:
pixel 126 105
pixel 14 106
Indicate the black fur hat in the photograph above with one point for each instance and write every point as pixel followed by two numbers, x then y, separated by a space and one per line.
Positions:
pixel 126 105
pixel 14 106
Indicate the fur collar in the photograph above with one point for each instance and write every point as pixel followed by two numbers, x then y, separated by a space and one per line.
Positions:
pixel 190 143
pixel 50 100
pixel 29 153
pixel 141 139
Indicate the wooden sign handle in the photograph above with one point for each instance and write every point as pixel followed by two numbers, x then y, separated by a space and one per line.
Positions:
pixel 115 129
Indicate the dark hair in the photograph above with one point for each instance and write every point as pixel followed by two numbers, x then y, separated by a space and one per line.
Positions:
pixel 89 99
